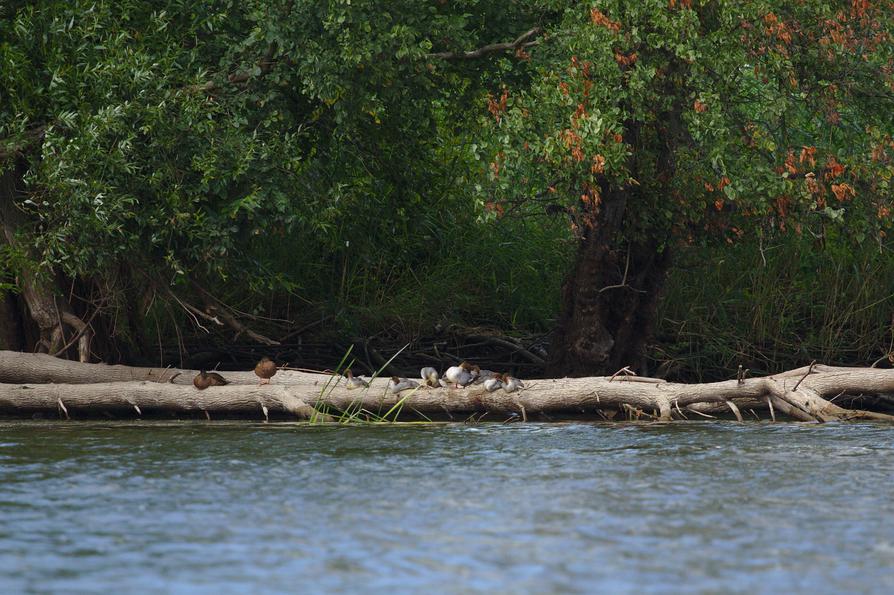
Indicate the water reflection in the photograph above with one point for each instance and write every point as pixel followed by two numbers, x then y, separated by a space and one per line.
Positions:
pixel 713 507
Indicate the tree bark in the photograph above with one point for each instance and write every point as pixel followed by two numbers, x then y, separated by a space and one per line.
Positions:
pixel 805 394
pixel 609 299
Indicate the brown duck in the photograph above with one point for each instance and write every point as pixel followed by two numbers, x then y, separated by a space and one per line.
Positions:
pixel 265 370
pixel 205 379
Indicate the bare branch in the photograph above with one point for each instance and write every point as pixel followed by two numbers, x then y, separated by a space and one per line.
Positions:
pixel 523 41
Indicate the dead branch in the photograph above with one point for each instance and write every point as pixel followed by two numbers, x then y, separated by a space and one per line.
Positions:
pixel 509 345
pixel 806 374
pixel 521 42
pixel 215 306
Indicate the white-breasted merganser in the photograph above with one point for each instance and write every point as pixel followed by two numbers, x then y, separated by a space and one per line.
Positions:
pixel 460 375
pixel 429 376
pixel 511 383
pixel 354 381
pixel 395 385
pixel 493 383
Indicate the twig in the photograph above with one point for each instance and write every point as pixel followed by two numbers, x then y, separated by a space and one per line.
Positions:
pixel 623 282
pixel 697 412
pixel 195 312
pixel 508 344
pixel 306 327
pixel 241 328
pixel 772 412
pixel 631 411
pixel 214 304
pixel 80 325
pixel 887 356
pixel 523 412
pixel 809 371
pixel 626 370
pixel 836 396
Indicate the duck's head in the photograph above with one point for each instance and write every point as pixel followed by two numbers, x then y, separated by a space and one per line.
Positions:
pixel 348 373
pixel 465 366
pixel 395 380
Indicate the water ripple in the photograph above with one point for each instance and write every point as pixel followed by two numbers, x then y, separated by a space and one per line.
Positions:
pixel 709 507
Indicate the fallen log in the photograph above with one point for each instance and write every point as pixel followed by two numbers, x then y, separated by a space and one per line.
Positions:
pixel 802 394
pixel 23 368
pixel 138 399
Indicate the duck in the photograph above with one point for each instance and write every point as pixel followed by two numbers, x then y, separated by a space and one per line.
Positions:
pixel 483 375
pixel 265 370
pixel 511 383
pixel 460 375
pixel 355 382
pixel 493 383
pixel 430 376
pixel 205 379
pixel 395 385
pixel 474 370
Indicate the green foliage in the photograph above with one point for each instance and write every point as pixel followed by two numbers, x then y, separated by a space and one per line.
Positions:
pixel 304 146
pixel 712 116
pixel 313 153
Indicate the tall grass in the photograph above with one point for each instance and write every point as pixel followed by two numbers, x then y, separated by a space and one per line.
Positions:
pixel 354 413
pixel 776 308
pixel 504 273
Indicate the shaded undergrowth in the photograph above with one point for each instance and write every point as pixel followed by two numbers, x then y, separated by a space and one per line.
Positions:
pixel 776 308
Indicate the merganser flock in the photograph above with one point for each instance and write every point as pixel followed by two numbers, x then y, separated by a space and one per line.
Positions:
pixel 461 376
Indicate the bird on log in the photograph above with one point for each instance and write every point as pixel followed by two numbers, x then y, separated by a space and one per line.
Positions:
pixel 205 379
pixel 265 370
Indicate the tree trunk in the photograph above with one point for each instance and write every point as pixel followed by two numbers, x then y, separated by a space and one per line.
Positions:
pixel 11 337
pixel 51 313
pixel 804 394
pixel 609 299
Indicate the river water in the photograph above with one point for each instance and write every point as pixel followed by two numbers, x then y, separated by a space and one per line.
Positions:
pixel 217 508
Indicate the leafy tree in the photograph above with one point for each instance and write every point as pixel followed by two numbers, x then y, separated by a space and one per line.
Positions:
pixel 196 156
pixel 662 123
pixel 154 149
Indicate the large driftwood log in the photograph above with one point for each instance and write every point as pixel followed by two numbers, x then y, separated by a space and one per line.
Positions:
pixel 137 399
pixel 22 368
pixel 806 394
